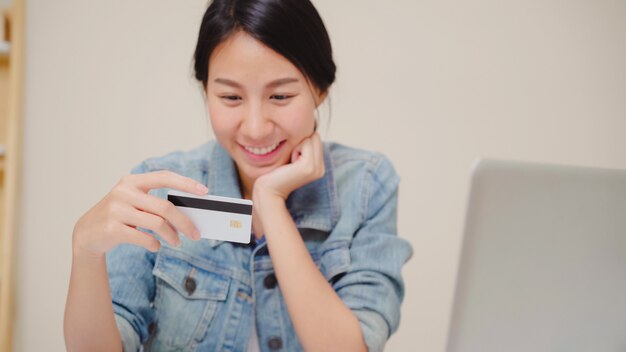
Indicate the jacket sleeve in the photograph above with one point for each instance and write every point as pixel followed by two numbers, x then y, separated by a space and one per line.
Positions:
pixel 373 287
pixel 132 288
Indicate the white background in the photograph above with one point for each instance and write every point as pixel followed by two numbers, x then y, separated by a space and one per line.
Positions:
pixel 433 84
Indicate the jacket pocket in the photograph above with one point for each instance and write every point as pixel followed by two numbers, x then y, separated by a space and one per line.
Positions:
pixel 187 297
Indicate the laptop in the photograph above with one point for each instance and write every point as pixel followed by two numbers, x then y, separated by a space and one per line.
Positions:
pixel 543 260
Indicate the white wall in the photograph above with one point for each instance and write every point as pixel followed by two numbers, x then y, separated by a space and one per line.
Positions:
pixel 433 84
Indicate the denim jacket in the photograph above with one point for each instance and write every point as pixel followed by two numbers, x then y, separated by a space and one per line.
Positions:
pixel 204 295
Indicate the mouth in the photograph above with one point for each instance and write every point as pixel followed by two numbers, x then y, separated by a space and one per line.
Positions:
pixel 264 151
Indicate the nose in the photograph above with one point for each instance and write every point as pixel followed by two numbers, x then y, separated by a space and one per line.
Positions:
pixel 256 125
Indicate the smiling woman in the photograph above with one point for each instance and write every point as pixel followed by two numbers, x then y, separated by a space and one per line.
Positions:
pixel 323 270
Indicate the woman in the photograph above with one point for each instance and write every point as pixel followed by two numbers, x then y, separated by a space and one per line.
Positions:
pixel 323 271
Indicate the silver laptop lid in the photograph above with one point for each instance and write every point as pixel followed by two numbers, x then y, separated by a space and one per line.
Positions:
pixel 543 263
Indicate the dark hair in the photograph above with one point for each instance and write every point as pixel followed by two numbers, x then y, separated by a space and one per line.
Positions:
pixel 292 28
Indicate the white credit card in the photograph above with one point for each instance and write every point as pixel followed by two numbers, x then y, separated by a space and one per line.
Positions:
pixel 217 218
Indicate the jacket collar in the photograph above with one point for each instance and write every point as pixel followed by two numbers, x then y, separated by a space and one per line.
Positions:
pixel 313 206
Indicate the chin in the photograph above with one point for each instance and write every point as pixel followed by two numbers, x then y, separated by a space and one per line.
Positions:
pixel 254 172
pixel 257 172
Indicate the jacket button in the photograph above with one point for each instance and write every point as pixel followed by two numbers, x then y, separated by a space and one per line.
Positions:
pixel 270 281
pixel 275 343
pixel 190 285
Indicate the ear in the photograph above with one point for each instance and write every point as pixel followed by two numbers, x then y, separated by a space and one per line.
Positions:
pixel 320 97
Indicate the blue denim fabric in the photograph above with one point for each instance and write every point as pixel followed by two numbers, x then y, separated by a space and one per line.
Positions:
pixel 347 220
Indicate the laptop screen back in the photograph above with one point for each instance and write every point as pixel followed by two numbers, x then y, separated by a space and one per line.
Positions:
pixel 543 263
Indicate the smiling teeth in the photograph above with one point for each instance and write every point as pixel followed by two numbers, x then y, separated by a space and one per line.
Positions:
pixel 262 151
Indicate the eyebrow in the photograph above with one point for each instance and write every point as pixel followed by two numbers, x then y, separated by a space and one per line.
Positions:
pixel 272 84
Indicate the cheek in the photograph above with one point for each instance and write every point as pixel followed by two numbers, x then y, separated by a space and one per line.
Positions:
pixel 223 119
pixel 298 118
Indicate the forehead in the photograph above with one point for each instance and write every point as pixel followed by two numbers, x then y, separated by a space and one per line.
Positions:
pixel 242 57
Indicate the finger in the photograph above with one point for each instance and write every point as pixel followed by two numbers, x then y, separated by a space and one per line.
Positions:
pixel 313 156
pixel 316 145
pixel 139 238
pixel 152 222
pixel 167 211
pixel 167 179
pixel 299 150
pixel 307 149
pixel 296 152
pixel 318 148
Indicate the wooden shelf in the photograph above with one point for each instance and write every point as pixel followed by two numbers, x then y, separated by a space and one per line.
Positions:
pixel 11 99
pixel 5 51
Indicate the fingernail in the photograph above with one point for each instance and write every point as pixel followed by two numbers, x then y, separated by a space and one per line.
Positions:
pixel 202 188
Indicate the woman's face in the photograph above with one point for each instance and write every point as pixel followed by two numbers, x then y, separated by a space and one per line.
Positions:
pixel 260 105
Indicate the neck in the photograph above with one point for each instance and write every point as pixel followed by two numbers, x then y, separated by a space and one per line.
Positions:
pixel 246 187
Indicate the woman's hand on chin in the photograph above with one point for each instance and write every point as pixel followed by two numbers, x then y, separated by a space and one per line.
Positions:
pixel 306 166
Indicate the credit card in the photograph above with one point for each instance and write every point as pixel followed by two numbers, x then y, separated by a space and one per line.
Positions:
pixel 217 218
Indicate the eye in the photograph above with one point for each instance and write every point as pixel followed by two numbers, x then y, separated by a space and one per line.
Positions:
pixel 281 97
pixel 231 99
